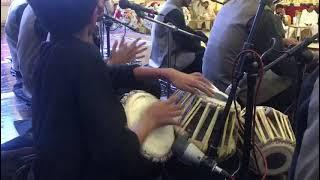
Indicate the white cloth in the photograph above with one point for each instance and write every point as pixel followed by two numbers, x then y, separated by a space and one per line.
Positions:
pixel 187 15
pixel 309 18
pixel 205 14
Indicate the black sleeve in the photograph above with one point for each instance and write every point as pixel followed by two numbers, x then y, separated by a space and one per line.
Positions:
pixel 185 42
pixel 110 144
pixel 122 76
pixel 123 80
pixel 301 116
pixel 267 30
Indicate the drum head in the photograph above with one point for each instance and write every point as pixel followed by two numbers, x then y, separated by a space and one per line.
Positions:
pixel 157 145
pixel 275 138
pixel 219 98
pixel 278 155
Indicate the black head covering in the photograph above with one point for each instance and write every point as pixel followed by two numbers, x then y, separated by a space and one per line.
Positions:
pixel 63 17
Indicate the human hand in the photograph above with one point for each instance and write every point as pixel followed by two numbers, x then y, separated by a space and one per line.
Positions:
pixel 159 114
pixel 190 82
pixel 163 113
pixel 289 41
pixel 200 33
pixel 126 53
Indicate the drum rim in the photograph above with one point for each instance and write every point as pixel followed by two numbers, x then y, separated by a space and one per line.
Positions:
pixel 272 146
pixel 124 101
pixel 283 148
pixel 213 102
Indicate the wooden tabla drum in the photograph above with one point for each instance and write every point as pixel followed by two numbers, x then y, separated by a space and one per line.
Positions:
pixel 157 146
pixel 200 113
pixel 274 137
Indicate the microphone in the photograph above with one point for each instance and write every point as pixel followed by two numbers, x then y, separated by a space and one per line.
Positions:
pixel 219 2
pixel 124 4
pixel 276 1
pixel 190 153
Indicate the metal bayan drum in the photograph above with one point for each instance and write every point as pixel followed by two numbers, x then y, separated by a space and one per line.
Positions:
pixel 200 114
pixel 274 137
pixel 157 146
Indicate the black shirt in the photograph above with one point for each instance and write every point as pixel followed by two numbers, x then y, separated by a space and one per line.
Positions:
pixel 301 116
pixel 79 124
pixel 271 27
pixel 185 42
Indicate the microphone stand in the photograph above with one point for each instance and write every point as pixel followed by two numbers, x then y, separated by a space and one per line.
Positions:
pixel 248 65
pixel 101 35
pixel 107 22
pixel 293 51
pixel 219 2
pixel 107 17
pixel 301 61
pixel 172 28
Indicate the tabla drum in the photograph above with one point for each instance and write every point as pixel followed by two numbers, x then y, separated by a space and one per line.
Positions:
pixel 157 146
pixel 273 135
pixel 198 123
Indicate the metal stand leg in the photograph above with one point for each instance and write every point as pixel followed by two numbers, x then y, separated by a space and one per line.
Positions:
pixel 108 25
pixel 247 146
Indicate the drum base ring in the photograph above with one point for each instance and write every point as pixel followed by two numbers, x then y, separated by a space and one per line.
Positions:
pixel 278 156
pixel 157 159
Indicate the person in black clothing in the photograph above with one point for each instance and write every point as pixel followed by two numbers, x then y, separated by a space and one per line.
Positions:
pixel 186 51
pixel 305 160
pixel 79 124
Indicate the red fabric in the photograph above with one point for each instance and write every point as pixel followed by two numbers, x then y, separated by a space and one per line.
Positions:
pixel 117 14
pixel 290 10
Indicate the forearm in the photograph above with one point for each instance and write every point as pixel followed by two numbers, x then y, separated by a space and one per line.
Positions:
pixel 141 73
pixel 141 130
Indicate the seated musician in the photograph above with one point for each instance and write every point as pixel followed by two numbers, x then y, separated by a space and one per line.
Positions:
pixel 280 11
pixel 186 52
pixel 11 30
pixel 229 32
pixel 309 17
pixel 31 35
pixel 204 13
pixel 79 124
pixel 305 160
pixel 283 18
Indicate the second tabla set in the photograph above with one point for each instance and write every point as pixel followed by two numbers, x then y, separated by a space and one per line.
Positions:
pixel 273 134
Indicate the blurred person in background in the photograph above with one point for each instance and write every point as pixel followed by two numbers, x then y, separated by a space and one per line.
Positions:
pixel 11 30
